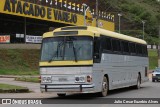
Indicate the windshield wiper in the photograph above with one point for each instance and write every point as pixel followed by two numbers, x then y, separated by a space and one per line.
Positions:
pixel 74 49
pixel 75 52
pixel 56 53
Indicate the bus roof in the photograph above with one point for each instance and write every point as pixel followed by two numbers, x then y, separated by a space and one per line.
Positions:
pixel 99 31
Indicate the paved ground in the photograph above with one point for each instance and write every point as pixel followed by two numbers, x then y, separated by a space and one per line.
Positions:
pixel 148 90
pixel 34 87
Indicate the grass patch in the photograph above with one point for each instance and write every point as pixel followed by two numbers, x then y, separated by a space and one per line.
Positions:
pixel 17 72
pixel 28 79
pixel 19 61
pixel 153 63
pixel 7 86
pixel 152 52
pixel 153 58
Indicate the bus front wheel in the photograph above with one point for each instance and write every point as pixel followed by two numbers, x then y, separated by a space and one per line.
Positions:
pixel 104 91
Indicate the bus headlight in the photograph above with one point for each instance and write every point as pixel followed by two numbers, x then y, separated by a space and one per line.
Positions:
pixel 46 79
pixel 80 79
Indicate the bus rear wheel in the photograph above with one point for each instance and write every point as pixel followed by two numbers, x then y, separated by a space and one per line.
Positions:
pixel 138 86
pixel 104 91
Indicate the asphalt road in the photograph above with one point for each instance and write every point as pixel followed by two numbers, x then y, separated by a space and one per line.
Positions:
pixel 147 90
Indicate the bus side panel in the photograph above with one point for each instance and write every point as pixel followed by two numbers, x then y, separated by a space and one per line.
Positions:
pixel 122 70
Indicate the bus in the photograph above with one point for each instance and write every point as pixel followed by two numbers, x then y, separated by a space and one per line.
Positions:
pixel 85 59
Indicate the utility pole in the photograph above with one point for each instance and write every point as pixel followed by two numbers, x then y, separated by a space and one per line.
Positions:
pixel 143 22
pixel 119 15
pixel 97 13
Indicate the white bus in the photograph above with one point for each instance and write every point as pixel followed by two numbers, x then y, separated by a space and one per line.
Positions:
pixel 85 59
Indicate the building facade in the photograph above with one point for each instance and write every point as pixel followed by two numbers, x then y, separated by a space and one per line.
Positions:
pixel 25 20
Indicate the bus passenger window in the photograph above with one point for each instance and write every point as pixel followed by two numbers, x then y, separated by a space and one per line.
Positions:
pixel 125 47
pixel 106 44
pixel 116 45
pixel 144 49
pixel 139 49
pixel 132 47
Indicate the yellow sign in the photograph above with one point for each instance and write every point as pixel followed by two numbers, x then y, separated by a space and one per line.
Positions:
pixel 21 8
pixel 106 25
pixel 26 9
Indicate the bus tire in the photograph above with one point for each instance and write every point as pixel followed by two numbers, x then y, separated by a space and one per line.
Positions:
pixel 138 85
pixel 104 91
pixel 61 94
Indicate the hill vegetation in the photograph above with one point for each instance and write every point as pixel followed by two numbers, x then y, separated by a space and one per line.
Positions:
pixel 19 62
pixel 136 11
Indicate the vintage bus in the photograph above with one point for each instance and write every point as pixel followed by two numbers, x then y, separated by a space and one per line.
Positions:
pixel 85 59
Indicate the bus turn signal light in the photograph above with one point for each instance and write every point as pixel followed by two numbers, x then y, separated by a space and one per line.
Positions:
pixel 89 78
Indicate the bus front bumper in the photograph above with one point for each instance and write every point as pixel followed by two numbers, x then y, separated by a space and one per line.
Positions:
pixel 80 88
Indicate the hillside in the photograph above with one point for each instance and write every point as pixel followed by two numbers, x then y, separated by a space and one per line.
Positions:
pixel 19 61
pixel 134 11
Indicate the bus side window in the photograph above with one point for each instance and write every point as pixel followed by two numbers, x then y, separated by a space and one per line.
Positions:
pixel 139 49
pixel 125 47
pixel 106 44
pixel 132 47
pixel 96 51
pixel 116 45
pixel 144 49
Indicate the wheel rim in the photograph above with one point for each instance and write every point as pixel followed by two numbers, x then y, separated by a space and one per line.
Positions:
pixel 104 87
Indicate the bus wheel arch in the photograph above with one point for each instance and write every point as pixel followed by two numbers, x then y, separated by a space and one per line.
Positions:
pixel 139 74
pixel 106 75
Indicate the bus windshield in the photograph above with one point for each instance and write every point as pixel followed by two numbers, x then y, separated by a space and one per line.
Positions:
pixel 67 48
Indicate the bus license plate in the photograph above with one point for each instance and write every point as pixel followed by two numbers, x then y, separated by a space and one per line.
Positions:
pixel 63 79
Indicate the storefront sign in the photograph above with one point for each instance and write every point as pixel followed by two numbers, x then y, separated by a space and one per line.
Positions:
pixel 4 38
pixel 33 39
pixel 26 9
pixel 30 10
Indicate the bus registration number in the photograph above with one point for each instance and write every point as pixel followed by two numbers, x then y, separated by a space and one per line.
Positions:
pixel 62 79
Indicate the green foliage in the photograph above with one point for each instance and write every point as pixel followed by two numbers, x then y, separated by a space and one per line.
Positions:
pixel 19 62
pixel 153 59
pixel 7 86
pixel 139 34
pixel 137 10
